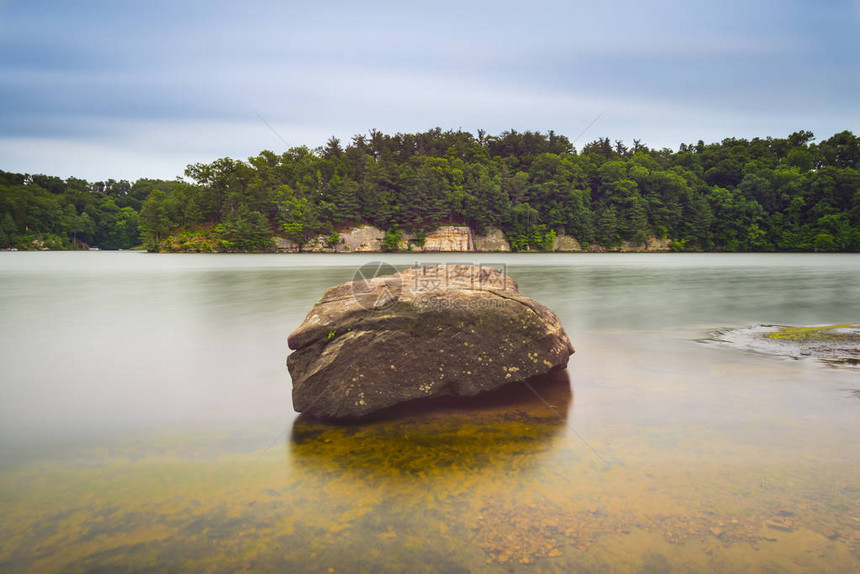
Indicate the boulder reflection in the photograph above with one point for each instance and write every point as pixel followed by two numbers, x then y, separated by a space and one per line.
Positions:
pixel 507 430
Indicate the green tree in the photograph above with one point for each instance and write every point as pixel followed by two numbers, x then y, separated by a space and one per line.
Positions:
pixel 347 201
pixel 296 224
pixel 638 222
pixel 607 227
pixel 701 223
pixel 154 221
pixel 8 231
pixel 824 242
pixel 844 237
pixel 391 240
pixel 332 240
pixel 247 230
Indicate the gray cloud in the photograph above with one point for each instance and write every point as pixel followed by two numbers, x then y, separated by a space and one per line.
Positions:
pixel 128 81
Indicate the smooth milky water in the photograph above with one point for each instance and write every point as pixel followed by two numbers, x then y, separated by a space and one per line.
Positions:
pixel 147 425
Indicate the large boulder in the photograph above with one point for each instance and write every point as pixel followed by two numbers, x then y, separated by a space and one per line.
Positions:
pixel 424 332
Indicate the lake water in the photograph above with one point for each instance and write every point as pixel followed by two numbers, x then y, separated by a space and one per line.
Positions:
pixel 146 424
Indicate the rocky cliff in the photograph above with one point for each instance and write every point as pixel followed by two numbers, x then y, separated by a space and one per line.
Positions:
pixel 369 239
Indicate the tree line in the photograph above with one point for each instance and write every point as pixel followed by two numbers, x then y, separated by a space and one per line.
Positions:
pixel 771 194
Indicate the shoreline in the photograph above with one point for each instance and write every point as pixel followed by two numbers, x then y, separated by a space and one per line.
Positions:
pixel 356 253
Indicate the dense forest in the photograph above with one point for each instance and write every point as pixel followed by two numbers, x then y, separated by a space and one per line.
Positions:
pixel 787 194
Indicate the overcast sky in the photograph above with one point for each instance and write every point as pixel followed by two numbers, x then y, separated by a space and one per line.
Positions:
pixel 117 89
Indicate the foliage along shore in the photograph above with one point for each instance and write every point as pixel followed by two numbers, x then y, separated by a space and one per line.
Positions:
pixel 535 190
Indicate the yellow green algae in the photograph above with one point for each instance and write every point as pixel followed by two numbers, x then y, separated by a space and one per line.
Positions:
pixel 835 333
pixel 499 486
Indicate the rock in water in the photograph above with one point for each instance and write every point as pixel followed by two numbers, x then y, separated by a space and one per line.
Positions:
pixel 424 332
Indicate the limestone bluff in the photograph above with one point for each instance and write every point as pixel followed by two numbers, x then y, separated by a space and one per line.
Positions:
pixel 447 238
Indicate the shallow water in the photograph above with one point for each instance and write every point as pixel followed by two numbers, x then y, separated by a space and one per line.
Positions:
pixel 147 425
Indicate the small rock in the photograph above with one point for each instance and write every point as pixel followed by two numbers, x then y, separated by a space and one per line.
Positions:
pixel 780 523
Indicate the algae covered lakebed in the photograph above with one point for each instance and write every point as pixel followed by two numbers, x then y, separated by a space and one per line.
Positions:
pixel 159 435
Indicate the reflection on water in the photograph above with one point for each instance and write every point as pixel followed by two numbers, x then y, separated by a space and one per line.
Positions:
pixel 449 438
pixel 146 425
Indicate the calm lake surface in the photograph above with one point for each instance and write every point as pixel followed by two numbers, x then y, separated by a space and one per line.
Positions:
pixel 147 425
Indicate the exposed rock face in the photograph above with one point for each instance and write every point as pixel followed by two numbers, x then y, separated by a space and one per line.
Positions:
pixel 369 238
pixel 654 245
pixel 284 245
pixel 494 240
pixel 566 243
pixel 364 238
pixel 452 238
pixel 449 238
pixel 424 332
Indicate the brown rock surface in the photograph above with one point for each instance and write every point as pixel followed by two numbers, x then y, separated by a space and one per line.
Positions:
pixel 424 332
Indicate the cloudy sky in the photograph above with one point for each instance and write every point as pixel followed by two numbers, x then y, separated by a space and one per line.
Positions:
pixel 119 89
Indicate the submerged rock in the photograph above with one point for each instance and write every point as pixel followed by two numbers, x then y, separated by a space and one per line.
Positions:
pixel 446 330
pixel 835 345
